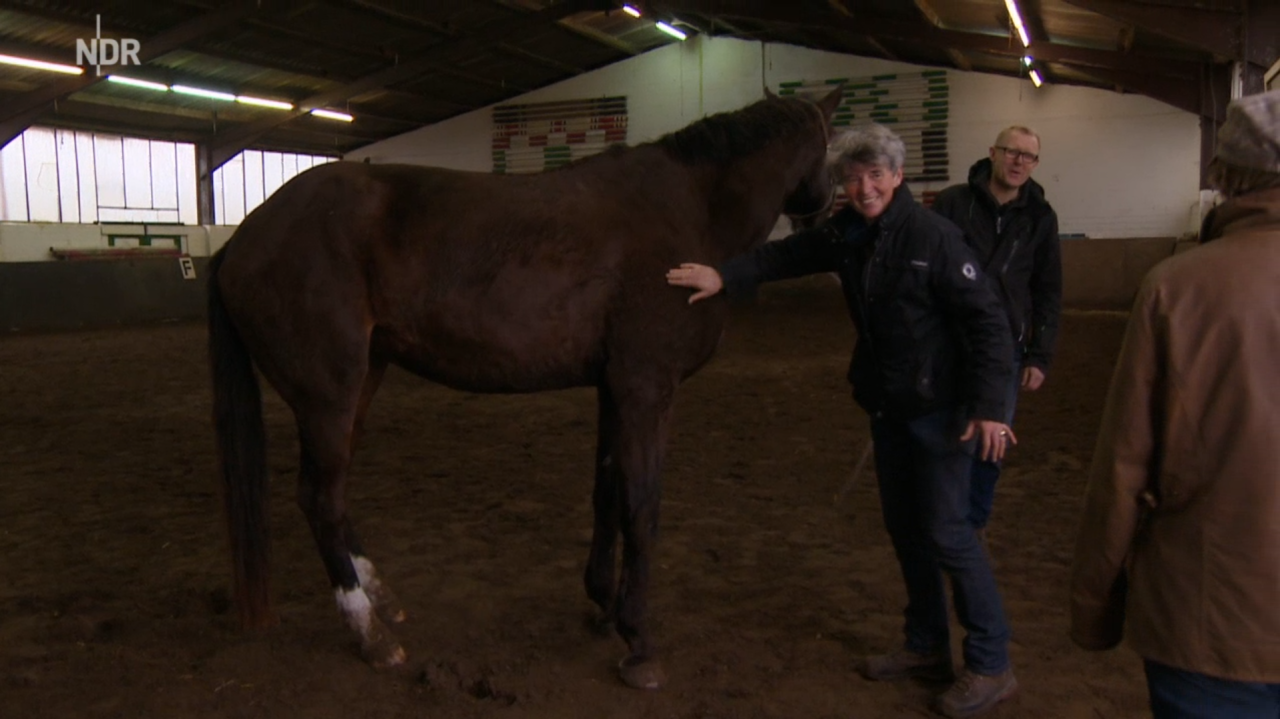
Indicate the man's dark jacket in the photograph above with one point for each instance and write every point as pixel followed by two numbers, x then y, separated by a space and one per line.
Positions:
pixel 931 333
pixel 1018 246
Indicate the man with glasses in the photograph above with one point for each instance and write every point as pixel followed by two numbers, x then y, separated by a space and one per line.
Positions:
pixel 1014 233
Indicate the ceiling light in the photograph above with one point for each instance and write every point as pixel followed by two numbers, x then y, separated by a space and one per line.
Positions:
pixel 200 92
pixel 1035 78
pixel 331 115
pixel 41 65
pixel 138 83
pixel 246 99
pixel 633 12
pixel 1014 15
pixel 1027 60
pixel 673 32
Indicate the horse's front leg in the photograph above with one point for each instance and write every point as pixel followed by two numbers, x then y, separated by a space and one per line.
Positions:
pixel 605 504
pixel 643 416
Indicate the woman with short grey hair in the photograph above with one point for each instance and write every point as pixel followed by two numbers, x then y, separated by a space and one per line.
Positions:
pixel 931 367
pixel 866 144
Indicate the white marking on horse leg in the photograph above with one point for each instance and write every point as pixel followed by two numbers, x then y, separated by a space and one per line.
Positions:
pixel 380 594
pixel 365 572
pixel 355 606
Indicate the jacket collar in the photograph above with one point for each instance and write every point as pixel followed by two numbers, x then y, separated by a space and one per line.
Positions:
pixel 1243 212
pixel 1031 193
pixel 899 206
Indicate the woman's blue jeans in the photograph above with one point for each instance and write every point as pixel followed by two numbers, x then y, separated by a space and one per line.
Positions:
pixel 923 471
pixel 982 482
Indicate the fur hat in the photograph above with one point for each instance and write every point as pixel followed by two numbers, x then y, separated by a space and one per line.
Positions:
pixel 1250 137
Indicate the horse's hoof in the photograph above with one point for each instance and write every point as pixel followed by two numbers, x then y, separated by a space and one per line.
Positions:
pixel 384 654
pixel 642 673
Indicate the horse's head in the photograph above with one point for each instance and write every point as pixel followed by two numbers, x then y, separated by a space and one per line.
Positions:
pixel 814 191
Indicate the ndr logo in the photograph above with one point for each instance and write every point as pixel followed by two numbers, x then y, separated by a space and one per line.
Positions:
pixel 99 50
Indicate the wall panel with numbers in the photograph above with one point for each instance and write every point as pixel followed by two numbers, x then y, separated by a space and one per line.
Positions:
pixel 915 105
pixel 539 136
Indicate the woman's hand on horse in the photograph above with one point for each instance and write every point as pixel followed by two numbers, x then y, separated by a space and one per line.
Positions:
pixel 704 279
pixel 993 437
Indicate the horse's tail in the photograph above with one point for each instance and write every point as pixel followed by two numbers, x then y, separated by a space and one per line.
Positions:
pixel 237 419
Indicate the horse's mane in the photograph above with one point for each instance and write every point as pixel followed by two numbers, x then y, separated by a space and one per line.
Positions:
pixel 728 135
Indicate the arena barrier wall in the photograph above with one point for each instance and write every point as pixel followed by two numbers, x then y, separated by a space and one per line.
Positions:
pixel 72 294
pixel 56 276
pixel 1106 274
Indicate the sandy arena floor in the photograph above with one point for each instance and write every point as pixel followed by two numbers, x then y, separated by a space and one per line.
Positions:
pixel 114 598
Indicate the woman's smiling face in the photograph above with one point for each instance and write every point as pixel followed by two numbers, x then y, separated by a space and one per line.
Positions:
pixel 870 186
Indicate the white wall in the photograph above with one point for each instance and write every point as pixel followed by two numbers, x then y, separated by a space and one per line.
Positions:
pixel 1112 165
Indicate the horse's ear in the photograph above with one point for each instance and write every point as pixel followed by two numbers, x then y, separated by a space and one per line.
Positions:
pixel 831 101
pixel 768 94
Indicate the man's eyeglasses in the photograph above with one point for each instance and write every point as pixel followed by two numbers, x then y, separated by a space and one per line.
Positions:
pixel 1018 155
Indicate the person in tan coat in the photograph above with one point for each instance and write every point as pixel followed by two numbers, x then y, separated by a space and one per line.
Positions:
pixel 1179 547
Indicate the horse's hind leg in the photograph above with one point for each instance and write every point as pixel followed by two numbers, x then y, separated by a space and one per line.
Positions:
pixel 384 600
pixel 325 435
pixel 605 502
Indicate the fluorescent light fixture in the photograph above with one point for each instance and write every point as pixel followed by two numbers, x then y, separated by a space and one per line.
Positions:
pixel 1027 60
pixel 633 12
pixel 1012 5
pixel 41 65
pixel 246 99
pixel 331 115
pixel 1035 78
pixel 138 83
pixel 200 92
pixel 673 32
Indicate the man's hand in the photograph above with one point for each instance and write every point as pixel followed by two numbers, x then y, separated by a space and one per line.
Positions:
pixel 704 279
pixel 993 438
pixel 1032 378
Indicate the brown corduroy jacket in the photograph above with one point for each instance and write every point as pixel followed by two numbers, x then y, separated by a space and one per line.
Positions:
pixel 1179 547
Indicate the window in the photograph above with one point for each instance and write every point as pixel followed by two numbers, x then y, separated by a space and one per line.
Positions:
pixel 49 175
pixel 249 178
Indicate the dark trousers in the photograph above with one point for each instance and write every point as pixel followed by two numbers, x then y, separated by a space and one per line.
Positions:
pixel 923 472
pixel 1179 694
pixel 982 481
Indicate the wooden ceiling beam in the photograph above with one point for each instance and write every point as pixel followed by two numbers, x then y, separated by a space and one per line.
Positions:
pixel 18 114
pixel 880 48
pixel 959 60
pixel 228 144
pixel 399 18
pixel 931 15
pixel 1261 42
pixel 767 11
pixel 601 38
pixel 1247 31
pixel 1182 94
pixel 543 60
pixel 1214 31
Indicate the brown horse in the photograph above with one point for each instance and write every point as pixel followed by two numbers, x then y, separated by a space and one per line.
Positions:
pixel 489 283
